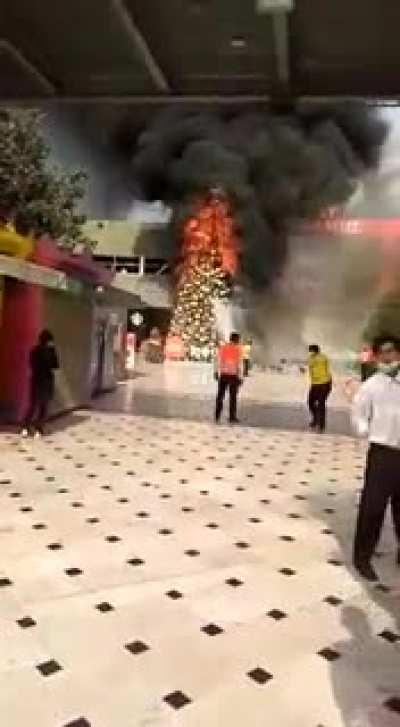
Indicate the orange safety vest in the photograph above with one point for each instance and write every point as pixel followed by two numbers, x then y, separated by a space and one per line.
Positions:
pixel 229 359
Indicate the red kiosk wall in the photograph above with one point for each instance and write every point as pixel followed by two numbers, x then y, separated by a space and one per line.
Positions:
pixel 22 321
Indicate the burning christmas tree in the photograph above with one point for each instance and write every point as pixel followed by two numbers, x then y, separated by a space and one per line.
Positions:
pixel 209 263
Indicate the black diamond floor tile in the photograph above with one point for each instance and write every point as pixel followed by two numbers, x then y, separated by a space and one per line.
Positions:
pixel 175 595
pixel 212 630
pixel 177 700
pixel 389 636
pixel 104 607
pixel 276 614
pixel 26 622
pixel 137 647
pixel 329 654
pixel 287 571
pixel 234 582
pixel 48 668
pixel 333 600
pixel 5 582
pixel 259 675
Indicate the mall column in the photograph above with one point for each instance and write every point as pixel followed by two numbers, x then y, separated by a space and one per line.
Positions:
pixel 21 323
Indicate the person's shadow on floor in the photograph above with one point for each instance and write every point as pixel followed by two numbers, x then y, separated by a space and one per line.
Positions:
pixel 367 674
pixel 366 677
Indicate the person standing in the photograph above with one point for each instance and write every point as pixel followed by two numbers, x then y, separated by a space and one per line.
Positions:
pixel 247 347
pixel 376 414
pixel 321 387
pixel 229 374
pixel 43 362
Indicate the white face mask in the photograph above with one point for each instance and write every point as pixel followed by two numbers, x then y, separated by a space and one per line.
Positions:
pixel 390 369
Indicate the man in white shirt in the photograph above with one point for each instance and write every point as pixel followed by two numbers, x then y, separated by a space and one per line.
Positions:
pixel 376 414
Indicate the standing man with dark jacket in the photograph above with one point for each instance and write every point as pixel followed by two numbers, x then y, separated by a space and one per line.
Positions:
pixel 43 362
pixel 229 374
pixel 376 414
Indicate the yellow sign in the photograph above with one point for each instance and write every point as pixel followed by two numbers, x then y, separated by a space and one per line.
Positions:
pixel 15 245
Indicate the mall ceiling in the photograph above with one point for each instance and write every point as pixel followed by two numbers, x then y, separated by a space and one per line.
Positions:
pixel 153 51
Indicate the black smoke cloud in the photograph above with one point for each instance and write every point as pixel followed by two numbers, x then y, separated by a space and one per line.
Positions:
pixel 275 169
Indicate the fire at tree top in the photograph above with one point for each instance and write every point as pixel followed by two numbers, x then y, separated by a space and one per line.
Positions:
pixel 273 169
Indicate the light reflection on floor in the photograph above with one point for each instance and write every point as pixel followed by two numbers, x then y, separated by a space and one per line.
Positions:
pixel 187 391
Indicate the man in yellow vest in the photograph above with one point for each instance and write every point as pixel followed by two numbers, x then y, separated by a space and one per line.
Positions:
pixel 321 387
pixel 246 349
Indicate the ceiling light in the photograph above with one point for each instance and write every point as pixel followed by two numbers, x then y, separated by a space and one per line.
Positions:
pixel 238 42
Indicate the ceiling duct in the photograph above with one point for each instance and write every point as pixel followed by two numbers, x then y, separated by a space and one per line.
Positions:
pixel 279 10
pixel 275 6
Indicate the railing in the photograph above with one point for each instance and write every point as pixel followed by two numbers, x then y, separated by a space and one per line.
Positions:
pixel 134 265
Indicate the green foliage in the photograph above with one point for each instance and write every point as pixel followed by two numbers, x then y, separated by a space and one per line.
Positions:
pixel 37 198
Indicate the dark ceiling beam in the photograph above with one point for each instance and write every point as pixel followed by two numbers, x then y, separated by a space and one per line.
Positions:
pixel 279 11
pixel 27 66
pixel 43 101
pixel 141 46
pixel 135 100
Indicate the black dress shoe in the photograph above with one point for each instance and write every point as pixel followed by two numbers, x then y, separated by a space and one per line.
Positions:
pixel 234 421
pixel 366 570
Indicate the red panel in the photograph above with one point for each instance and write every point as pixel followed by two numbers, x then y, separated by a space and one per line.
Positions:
pixel 22 321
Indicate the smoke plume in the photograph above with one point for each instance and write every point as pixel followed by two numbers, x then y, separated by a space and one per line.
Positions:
pixel 275 169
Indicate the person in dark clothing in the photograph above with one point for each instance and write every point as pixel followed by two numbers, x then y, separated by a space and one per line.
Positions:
pixel 229 374
pixel 43 362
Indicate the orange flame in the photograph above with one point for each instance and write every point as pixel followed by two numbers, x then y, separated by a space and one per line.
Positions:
pixel 211 233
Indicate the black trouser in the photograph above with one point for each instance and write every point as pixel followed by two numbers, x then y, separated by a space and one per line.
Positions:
pixel 40 397
pixel 246 366
pixel 382 483
pixel 317 398
pixel 226 381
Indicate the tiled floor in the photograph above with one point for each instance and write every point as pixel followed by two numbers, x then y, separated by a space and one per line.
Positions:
pixel 187 391
pixel 157 572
